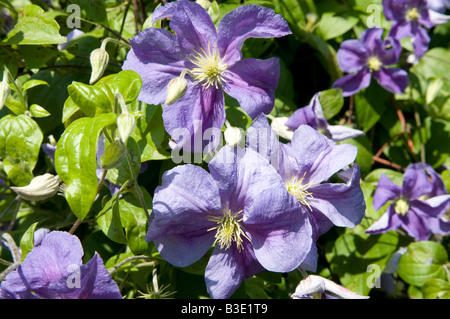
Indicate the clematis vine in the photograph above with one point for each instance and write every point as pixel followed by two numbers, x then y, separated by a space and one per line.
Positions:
pixel 53 270
pixel 240 207
pixel 306 165
pixel 313 116
pixel 412 18
pixel 417 206
pixel 200 63
pixel 369 57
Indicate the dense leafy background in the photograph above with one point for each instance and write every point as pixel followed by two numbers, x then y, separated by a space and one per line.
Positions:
pixel 53 98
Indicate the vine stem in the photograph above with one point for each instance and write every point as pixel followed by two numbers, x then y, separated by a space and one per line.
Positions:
pixel 125 261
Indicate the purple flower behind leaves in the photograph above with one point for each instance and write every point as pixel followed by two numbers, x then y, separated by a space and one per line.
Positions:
pixel 210 60
pixel 369 57
pixel 242 207
pixel 417 206
pixel 306 165
pixel 313 116
pixel 412 18
pixel 53 270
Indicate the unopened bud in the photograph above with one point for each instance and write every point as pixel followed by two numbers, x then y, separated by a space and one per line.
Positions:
pixel 5 91
pixel 99 61
pixel 279 127
pixel 40 188
pixel 233 135
pixel 114 155
pixel 126 123
pixel 176 89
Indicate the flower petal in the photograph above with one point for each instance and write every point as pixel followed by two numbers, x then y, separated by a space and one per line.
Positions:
pixel 421 42
pixel 372 39
pixel 157 58
pixel 386 190
pixel 352 55
pixel 343 204
pixel 415 225
pixel 194 122
pixel 388 221
pixel 394 80
pixel 416 183
pixel 191 23
pixel 248 21
pixel 253 82
pixel 179 226
pixel 352 83
pixel 227 269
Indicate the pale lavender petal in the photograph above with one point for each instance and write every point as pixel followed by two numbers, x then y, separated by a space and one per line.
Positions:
pixel 227 269
pixel 386 190
pixel 421 42
pixel 341 132
pixel 157 58
pixel 304 115
pixel 179 225
pixel 394 80
pixel 248 21
pixel 343 204
pixel 437 18
pixel 352 55
pixel 433 207
pixel 388 221
pixel 253 82
pixel 352 83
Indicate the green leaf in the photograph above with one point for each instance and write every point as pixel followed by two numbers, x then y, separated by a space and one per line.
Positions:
pixel 38 111
pixel 33 27
pixel 89 97
pixel 352 254
pixel 332 102
pixel 32 83
pixel 93 10
pixel 394 176
pixel 27 240
pixel 122 173
pixel 364 155
pixel 109 220
pixel 20 142
pixel 370 105
pixel 75 161
pixel 436 289
pixel 128 83
pixel 424 260
pixel 15 106
pixel 332 26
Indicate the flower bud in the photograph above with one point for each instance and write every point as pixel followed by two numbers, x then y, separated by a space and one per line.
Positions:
pixel 5 90
pixel 99 61
pixel 125 124
pixel 114 155
pixel 176 89
pixel 40 188
pixel 233 135
pixel 279 127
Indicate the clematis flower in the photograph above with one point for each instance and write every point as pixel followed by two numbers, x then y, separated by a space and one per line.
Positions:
pixel 369 57
pixel 211 62
pixel 306 165
pixel 411 208
pixel 53 270
pixel 242 207
pixel 313 116
pixel 412 18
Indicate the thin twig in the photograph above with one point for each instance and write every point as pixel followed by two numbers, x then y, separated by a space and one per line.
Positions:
pixel 125 261
pixel 388 163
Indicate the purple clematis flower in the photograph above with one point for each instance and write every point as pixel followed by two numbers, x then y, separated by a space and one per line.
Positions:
pixel 412 209
pixel 412 18
pixel 53 270
pixel 369 57
pixel 242 207
pixel 306 165
pixel 313 116
pixel 210 60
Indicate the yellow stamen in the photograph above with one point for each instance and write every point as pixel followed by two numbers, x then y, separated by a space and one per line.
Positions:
pixel 298 189
pixel 228 229
pixel 412 14
pixel 209 67
pixel 374 64
pixel 401 207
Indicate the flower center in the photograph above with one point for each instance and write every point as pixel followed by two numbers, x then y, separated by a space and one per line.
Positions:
pixel 209 68
pixel 374 63
pixel 412 14
pixel 401 207
pixel 296 187
pixel 228 229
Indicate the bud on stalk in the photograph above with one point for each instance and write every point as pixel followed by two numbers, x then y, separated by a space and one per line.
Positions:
pixel 99 61
pixel 40 188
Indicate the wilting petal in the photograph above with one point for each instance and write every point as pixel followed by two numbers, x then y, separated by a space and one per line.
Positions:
pixel 253 82
pixel 181 205
pixel 352 55
pixel 157 58
pixel 343 204
pixel 352 83
pixel 227 269
pixel 191 23
pixel 188 120
pixel 394 80
pixel 386 191
pixel 341 132
pixel 248 21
